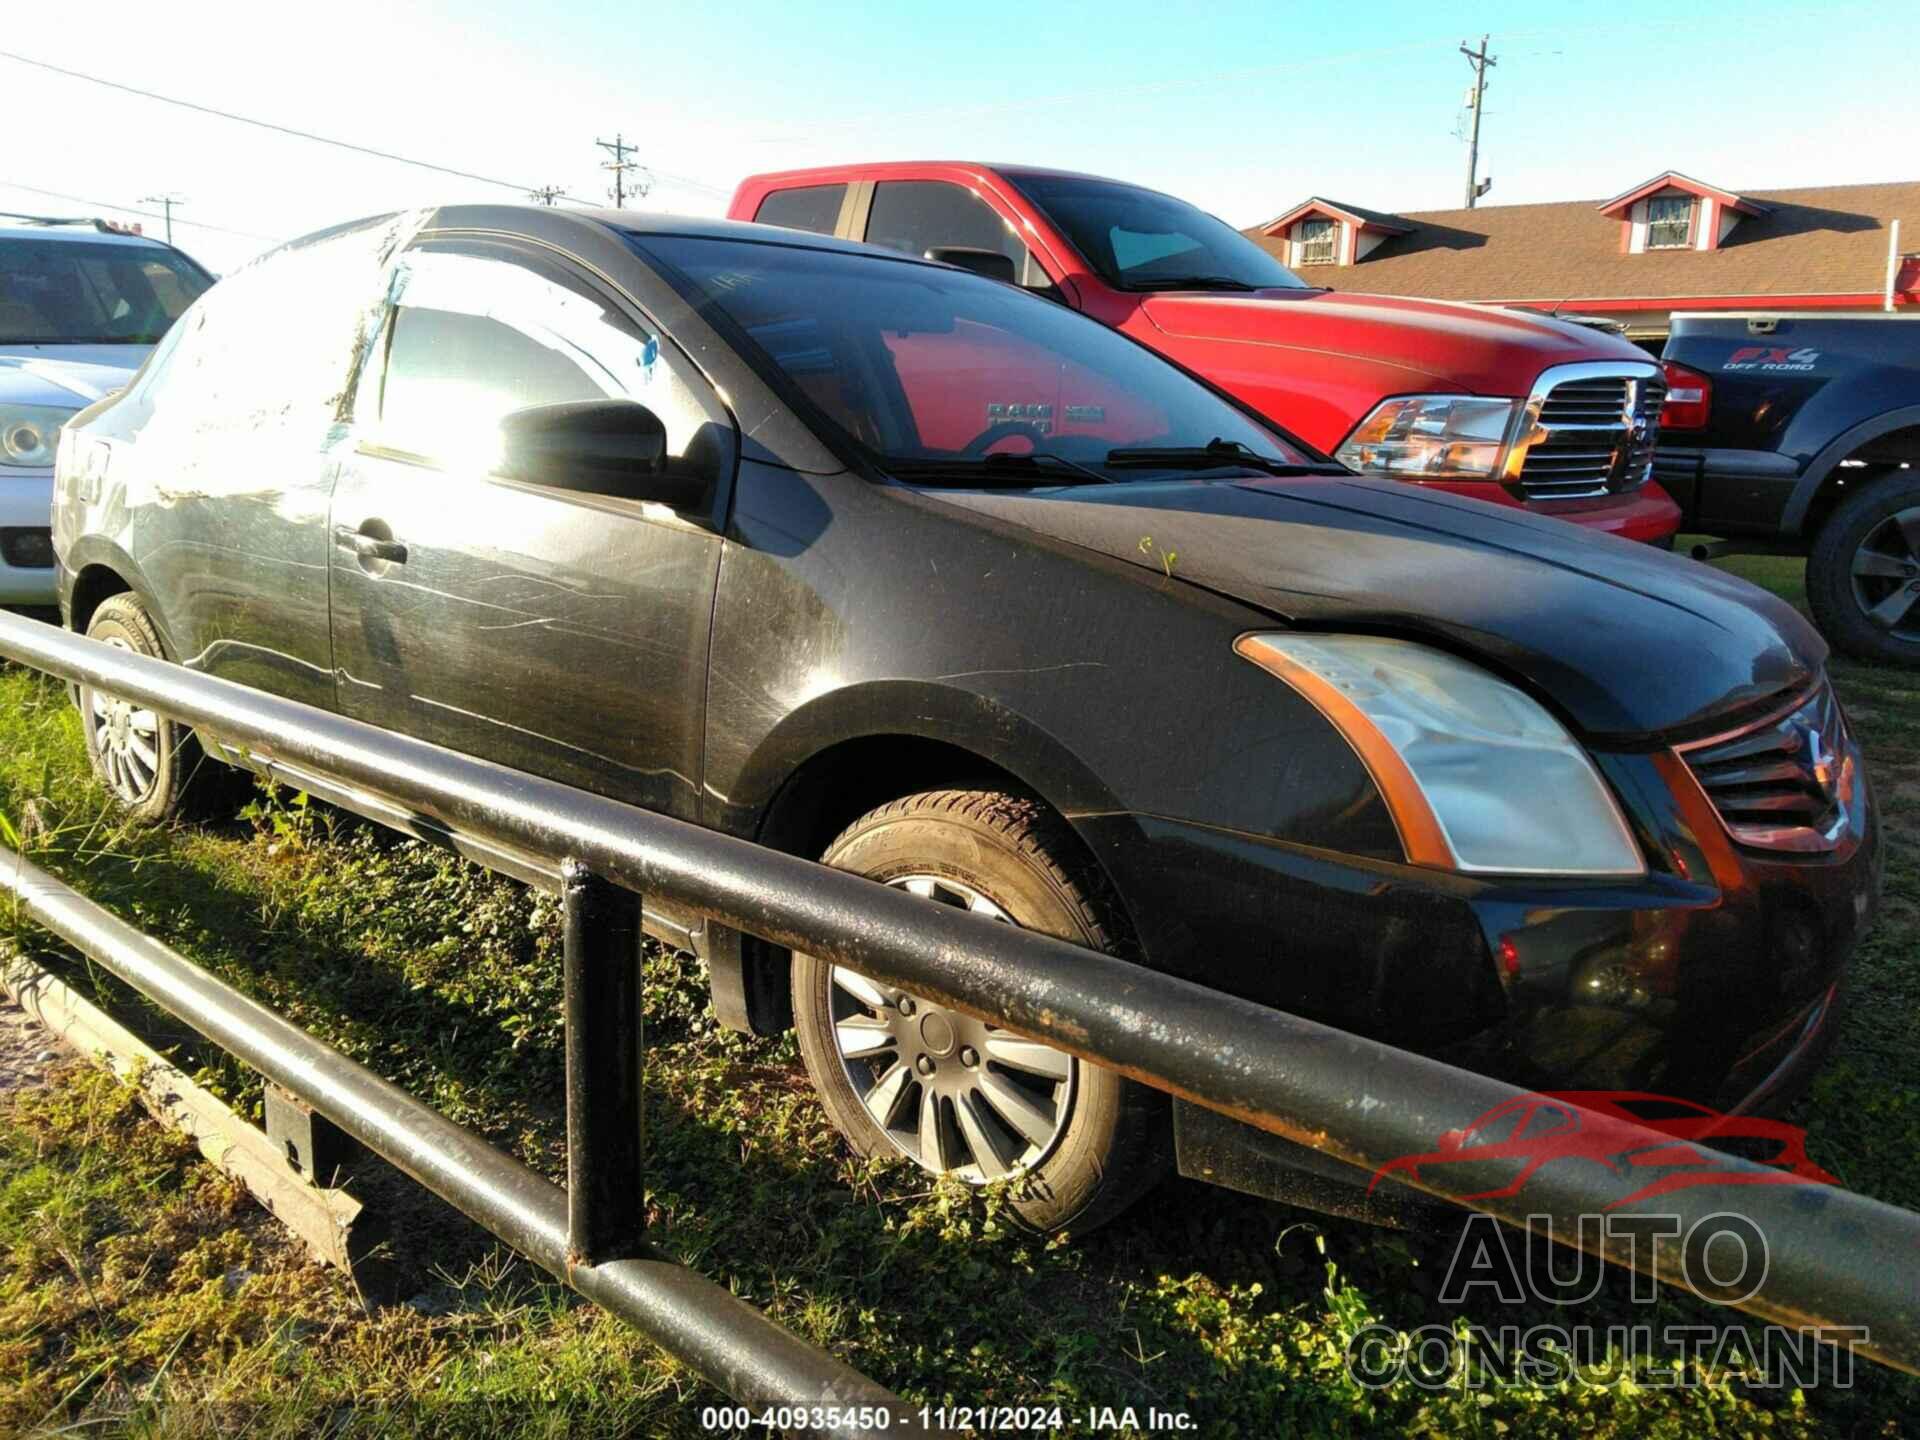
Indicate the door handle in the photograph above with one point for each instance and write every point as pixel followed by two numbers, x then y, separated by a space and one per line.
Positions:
pixel 369 547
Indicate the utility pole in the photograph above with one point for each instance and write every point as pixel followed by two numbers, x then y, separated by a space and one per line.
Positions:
pixel 166 202
pixel 619 165
pixel 546 194
pixel 1481 62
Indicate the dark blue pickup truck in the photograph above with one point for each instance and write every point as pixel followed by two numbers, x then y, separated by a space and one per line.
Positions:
pixel 1799 433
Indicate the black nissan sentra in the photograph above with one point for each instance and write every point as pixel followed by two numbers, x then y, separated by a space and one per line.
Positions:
pixel 888 563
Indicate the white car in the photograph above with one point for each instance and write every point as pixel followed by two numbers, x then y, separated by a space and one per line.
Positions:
pixel 81 306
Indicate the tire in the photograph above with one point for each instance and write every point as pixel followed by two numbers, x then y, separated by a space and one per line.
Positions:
pixel 1094 1140
pixel 153 767
pixel 1866 559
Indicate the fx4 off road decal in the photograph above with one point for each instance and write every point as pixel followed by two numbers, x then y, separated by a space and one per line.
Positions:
pixel 1771 357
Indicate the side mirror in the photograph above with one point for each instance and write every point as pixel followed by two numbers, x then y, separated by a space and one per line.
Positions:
pixel 990 263
pixel 595 447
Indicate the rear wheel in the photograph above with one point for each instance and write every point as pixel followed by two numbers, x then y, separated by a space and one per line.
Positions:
pixel 152 766
pixel 899 1074
pixel 1863 575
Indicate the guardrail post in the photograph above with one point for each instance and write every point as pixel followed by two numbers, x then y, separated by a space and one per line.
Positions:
pixel 606 1208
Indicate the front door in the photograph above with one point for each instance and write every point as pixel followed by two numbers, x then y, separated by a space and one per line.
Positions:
pixel 556 632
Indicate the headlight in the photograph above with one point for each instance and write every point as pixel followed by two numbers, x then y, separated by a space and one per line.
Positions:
pixel 1430 437
pixel 1478 776
pixel 28 433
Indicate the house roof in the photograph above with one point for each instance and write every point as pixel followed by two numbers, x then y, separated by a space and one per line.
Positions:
pixel 1358 215
pixel 1823 241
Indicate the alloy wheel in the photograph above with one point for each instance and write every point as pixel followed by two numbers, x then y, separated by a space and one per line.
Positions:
pixel 1886 574
pixel 956 1095
pixel 126 737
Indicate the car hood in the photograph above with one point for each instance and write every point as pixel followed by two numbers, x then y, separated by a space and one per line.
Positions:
pixel 1480 349
pixel 1626 640
pixel 68 375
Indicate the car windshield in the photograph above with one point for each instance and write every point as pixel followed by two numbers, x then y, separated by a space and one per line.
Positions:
pixel 929 370
pixel 78 292
pixel 1143 240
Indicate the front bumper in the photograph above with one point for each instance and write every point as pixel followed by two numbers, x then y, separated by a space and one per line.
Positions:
pixel 1647 514
pixel 1710 979
pixel 26 503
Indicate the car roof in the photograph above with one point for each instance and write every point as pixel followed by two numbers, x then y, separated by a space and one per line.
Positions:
pixel 83 232
pixel 543 220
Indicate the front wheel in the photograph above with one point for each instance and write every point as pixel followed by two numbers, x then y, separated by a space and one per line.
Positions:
pixel 1863 575
pixel 899 1074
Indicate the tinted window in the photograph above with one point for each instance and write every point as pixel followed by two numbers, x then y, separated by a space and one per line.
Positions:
pixel 1142 240
pixel 475 338
pixel 76 292
pixel 921 364
pixel 810 207
pixel 915 216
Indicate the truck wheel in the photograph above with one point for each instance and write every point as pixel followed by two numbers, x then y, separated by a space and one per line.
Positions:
pixel 152 766
pixel 1863 575
pixel 899 1074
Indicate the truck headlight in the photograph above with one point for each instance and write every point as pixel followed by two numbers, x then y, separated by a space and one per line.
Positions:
pixel 28 433
pixel 1430 437
pixel 1478 776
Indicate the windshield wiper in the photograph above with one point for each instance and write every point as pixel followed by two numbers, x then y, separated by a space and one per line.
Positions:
pixel 1213 455
pixel 1025 468
pixel 1194 282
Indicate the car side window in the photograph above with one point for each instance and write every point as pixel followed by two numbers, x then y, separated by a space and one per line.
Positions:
pixel 918 215
pixel 476 336
pixel 805 207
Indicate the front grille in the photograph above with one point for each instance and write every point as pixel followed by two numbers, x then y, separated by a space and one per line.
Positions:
pixel 1784 783
pixel 27 549
pixel 1592 434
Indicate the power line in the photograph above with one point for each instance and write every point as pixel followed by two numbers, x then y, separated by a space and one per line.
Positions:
pixel 130 210
pixel 278 129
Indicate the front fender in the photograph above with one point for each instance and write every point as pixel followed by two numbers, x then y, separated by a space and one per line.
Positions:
pixel 922 711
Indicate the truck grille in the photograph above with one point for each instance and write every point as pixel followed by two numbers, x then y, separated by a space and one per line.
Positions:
pixel 1784 783
pixel 1592 432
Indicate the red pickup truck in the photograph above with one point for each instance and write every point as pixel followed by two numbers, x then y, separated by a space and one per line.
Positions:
pixel 1500 404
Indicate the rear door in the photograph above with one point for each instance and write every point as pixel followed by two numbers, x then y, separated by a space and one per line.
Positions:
pixel 560 633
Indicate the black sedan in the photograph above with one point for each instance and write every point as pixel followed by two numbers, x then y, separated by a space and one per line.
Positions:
pixel 888 563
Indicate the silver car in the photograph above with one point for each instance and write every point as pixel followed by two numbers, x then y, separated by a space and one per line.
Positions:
pixel 81 306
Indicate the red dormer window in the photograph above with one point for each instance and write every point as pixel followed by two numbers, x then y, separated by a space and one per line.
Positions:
pixel 1676 212
pixel 1322 232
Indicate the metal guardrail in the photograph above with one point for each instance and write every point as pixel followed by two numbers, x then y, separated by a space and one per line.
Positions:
pixel 1835 1258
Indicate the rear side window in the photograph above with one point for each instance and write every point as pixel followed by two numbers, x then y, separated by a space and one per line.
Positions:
pixel 918 215
pixel 810 207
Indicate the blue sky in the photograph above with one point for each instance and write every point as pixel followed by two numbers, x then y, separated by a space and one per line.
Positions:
pixel 1242 107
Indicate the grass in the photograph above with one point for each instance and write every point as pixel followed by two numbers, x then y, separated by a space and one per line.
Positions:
pixel 141 1293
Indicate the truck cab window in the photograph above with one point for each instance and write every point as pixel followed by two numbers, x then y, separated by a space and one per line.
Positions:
pixel 918 215
pixel 806 207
